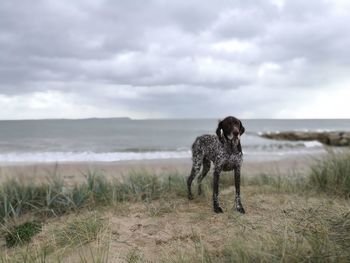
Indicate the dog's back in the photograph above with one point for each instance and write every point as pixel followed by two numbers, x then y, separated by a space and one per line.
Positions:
pixel 207 146
pixel 210 147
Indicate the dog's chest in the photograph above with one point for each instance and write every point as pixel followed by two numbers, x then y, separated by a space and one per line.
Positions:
pixel 231 161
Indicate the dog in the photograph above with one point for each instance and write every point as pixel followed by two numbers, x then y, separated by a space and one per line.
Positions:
pixel 225 151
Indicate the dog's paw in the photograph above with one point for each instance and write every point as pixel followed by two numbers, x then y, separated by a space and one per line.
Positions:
pixel 240 209
pixel 190 197
pixel 218 209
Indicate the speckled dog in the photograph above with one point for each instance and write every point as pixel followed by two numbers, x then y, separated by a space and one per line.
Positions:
pixel 225 151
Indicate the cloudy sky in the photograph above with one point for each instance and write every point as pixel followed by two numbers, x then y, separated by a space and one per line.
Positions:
pixel 174 59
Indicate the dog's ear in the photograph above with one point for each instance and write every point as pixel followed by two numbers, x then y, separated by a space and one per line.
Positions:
pixel 218 132
pixel 241 129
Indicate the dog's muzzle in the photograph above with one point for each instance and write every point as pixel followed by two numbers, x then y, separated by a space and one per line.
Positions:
pixel 233 138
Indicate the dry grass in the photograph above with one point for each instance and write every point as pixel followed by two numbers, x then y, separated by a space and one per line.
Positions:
pixel 148 219
pixel 278 227
pixel 332 175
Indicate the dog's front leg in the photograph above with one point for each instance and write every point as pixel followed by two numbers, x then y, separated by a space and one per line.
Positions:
pixel 217 208
pixel 239 206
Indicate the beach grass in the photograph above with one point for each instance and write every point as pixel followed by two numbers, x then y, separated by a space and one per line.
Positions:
pixel 79 232
pixel 21 234
pixel 54 198
pixel 331 175
pixel 147 218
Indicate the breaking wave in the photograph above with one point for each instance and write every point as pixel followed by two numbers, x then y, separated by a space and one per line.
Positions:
pixel 89 156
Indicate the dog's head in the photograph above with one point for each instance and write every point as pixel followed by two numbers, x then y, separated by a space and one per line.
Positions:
pixel 230 129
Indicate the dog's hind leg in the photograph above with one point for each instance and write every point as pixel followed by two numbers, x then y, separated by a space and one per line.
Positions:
pixel 196 166
pixel 205 170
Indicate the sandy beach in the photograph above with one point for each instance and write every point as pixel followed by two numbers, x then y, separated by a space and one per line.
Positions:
pixel 75 171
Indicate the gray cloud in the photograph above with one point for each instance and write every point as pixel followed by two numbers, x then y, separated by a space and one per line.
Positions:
pixel 173 59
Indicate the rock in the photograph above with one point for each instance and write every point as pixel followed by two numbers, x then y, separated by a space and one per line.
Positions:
pixel 334 138
pixel 346 135
pixel 344 142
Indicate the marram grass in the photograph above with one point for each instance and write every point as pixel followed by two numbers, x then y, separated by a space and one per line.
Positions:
pixel 79 232
pixel 332 175
pixel 52 198
pixel 21 234
pixel 308 234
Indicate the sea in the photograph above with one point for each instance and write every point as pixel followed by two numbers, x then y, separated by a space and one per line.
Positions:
pixel 125 139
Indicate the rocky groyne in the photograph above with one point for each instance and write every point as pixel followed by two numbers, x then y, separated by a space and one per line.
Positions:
pixel 334 138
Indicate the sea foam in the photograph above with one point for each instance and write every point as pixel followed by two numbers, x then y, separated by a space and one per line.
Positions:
pixel 89 156
pixel 311 144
